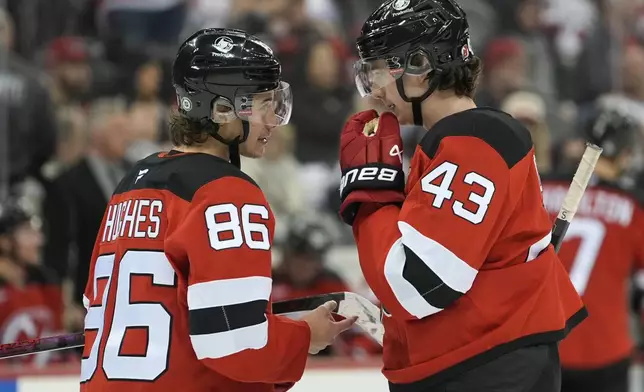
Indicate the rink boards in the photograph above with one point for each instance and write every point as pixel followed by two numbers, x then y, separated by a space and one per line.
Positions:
pixel 321 376
pixel 324 376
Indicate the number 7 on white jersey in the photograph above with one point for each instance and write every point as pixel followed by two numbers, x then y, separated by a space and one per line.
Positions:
pixel 591 232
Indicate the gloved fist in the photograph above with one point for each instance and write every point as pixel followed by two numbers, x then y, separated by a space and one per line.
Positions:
pixel 371 162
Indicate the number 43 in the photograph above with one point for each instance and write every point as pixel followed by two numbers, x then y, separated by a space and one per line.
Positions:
pixel 443 192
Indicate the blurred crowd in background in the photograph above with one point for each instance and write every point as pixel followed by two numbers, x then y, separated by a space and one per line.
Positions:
pixel 85 92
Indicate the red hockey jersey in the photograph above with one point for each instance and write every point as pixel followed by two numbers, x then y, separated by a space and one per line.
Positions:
pixel 465 268
pixel 180 285
pixel 602 249
pixel 29 312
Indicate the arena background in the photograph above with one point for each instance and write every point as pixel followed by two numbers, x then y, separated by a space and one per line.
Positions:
pixel 85 92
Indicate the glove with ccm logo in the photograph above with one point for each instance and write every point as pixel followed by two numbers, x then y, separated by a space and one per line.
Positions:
pixel 371 163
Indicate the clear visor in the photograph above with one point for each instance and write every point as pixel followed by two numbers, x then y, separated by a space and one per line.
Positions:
pixel 376 73
pixel 373 74
pixel 272 107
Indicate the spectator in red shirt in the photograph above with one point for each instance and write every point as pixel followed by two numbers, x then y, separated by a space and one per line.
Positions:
pixel 31 300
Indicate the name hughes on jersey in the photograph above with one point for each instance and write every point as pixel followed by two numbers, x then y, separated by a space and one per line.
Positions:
pixel 608 206
pixel 135 218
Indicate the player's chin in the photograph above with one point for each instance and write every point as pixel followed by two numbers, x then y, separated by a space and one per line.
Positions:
pixel 258 150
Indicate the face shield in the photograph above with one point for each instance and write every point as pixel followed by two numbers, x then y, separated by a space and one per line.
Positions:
pixel 271 107
pixel 373 74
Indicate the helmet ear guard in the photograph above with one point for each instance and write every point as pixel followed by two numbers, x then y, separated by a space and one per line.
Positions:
pixel 223 111
pixel 418 63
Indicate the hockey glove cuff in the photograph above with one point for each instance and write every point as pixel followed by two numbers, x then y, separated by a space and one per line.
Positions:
pixel 375 183
pixel 371 162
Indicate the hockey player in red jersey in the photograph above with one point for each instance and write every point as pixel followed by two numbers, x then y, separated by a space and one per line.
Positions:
pixel 474 297
pixel 179 295
pixel 602 250
pixel 31 298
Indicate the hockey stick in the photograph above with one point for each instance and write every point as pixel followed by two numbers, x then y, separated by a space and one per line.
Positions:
pixel 349 304
pixel 575 193
pixel 34 346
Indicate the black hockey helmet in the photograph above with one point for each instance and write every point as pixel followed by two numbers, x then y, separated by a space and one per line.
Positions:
pixel 225 74
pixel 613 131
pixel 413 37
pixel 308 237
pixel 12 215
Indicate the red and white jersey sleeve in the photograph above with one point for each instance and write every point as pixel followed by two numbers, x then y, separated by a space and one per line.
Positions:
pixel 422 257
pixel 226 236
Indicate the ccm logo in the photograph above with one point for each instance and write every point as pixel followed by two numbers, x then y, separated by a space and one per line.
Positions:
pixel 367 174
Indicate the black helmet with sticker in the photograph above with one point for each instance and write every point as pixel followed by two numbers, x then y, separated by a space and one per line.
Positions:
pixel 12 215
pixel 413 37
pixel 613 131
pixel 225 74
pixel 306 236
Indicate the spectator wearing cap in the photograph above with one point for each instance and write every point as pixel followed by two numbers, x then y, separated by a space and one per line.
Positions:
pixel 505 71
pixel 67 61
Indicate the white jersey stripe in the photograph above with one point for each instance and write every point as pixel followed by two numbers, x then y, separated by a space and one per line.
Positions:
pixel 228 292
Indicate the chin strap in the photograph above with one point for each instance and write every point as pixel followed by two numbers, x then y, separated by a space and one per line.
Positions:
pixel 233 145
pixel 233 151
pixel 417 101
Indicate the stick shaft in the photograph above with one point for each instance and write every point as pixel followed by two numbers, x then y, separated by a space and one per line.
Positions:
pixel 575 193
pixel 61 342
pixel 33 346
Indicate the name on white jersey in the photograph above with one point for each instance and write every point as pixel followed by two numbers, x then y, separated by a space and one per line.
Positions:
pixel 135 218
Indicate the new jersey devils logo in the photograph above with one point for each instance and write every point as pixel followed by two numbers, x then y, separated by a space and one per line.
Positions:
pixel 465 52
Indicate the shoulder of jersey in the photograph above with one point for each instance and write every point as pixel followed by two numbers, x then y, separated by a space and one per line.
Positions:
pixel 181 174
pixel 507 136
